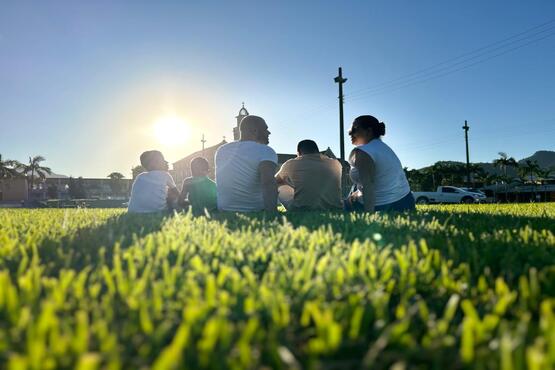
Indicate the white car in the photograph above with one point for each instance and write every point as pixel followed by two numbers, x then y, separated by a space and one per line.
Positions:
pixel 448 194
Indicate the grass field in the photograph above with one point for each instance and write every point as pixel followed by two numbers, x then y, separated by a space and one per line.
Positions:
pixel 447 287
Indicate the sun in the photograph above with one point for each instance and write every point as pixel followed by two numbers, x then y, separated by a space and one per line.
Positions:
pixel 171 130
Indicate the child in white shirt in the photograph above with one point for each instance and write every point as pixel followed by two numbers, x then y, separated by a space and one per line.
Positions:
pixel 153 190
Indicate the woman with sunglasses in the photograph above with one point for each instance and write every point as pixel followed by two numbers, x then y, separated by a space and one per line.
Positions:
pixel 380 182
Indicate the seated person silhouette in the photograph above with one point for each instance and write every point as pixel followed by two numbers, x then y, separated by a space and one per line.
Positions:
pixel 198 191
pixel 245 170
pixel 153 190
pixel 315 179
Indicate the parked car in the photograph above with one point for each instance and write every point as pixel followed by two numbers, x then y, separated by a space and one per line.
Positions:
pixel 448 194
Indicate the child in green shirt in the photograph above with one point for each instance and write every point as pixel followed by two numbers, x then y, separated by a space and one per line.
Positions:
pixel 199 192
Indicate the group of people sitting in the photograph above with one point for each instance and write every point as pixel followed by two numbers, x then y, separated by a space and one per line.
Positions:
pixel 246 178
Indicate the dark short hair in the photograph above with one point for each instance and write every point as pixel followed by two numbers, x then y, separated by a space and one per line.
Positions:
pixel 199 164
pixel 149 156
pixel 368 122
pixel 307 147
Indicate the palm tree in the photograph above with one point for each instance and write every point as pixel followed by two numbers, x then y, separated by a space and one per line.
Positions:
pixel 135 171
pixel 34 167
pixel 9 168
pixel 115 183
pixel 530 168
pixel 543 175
pixel 481 176
pixel 504 162
pixel 116 176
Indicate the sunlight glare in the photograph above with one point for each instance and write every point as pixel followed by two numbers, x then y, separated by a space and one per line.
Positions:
pixel 171 130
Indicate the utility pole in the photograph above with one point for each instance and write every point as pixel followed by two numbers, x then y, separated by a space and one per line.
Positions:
pixel 340 80
pixel 466 128
pixel 203 141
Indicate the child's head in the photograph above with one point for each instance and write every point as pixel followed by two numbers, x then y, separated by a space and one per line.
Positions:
pixel 199 167
pixel 153 160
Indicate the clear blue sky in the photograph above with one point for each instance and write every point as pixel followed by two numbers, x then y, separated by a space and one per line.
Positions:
pixel 81 83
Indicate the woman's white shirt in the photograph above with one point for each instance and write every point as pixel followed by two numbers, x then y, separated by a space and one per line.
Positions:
pixel 390 182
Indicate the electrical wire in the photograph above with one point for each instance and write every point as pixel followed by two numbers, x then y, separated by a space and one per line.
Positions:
pixel 466 57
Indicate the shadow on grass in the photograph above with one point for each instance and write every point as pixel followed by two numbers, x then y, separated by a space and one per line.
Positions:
pixel 82 248
pixel 497 244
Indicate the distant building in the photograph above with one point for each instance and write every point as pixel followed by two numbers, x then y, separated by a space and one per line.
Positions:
pixel 242 114
pixel 14 190
pixel 521 193
pixel 93 188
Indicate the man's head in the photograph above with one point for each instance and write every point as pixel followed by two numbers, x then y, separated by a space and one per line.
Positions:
pixel 307 147
pixel 254 128
pixel 199 167
pixel 153 160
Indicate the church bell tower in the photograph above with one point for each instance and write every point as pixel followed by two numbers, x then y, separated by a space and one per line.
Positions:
pixel 242 113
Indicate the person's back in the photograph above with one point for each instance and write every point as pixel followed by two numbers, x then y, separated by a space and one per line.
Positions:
pixel 237 176
pixel 202 193
pixel 390 180
pixel 245 170
pixel 381 184
pixel 315 178
pixel 199 192
pixel 152 190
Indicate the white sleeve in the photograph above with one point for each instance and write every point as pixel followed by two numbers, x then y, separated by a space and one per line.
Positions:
pixel 268 154
pixel 169 181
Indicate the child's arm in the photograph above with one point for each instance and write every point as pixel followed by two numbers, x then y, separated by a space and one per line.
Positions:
pixel 184 193
pixel 173 193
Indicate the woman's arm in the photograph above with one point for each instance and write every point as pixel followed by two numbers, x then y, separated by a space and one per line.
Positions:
pixel 366 171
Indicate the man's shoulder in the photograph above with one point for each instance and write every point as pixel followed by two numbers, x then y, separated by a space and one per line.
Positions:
pixel 157 177
pixel 267 153
pixel 292 162
pixel 224 147
pixel 141 176
pixel 268 149
pixel 332 161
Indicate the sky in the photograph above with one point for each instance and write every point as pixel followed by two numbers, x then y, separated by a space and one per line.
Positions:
pixel 85 83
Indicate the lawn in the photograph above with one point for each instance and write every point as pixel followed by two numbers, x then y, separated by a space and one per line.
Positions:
pixel 447 287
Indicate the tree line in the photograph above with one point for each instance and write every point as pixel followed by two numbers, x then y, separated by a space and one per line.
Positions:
pixel 36 173
pixel 454 174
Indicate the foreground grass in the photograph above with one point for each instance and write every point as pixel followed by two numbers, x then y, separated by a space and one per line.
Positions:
pixel 446 287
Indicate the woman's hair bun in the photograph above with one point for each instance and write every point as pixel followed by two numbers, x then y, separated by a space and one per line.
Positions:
pixel 371 123
pixel 381 129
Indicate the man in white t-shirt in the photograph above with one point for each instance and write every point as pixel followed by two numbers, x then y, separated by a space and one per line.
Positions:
pixel 245 170
pixel 154 189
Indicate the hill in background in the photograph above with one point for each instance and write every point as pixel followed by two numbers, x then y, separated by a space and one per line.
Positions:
pixel 545 159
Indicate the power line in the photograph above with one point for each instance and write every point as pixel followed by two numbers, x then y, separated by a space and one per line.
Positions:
pixel 478 136
pixel 420 76
pixel 431 72
pixel 448 72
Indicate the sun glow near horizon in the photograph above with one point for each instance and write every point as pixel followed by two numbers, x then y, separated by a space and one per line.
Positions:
pixel 171 130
